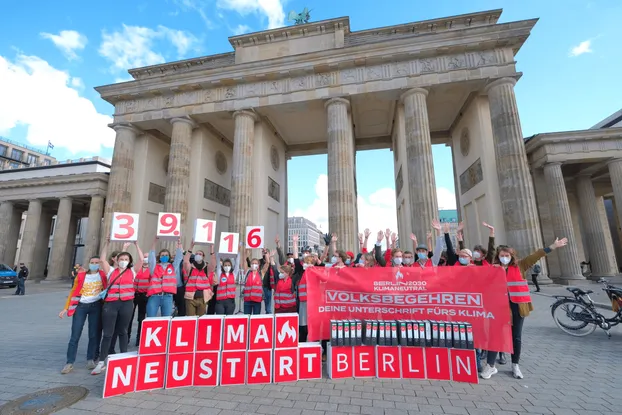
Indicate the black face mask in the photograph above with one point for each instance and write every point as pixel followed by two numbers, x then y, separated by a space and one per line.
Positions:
pixel 441 261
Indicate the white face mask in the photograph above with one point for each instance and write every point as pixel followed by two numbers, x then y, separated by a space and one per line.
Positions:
pixel 476 255
pixel 290 260
pixel 227 268
pixel 281 276
pixel 305 255
pixel 123 264
pixel 254 267
pixel 397 261
pixel 305 266
pixel 145 261
pixel 408 261
pixel 505 260
pixel 333 260
pixel 198 258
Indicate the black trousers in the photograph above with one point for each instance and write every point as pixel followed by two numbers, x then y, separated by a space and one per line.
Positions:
pixel 140 303
pixel 225 307
pixel 116 316
pixel 180 301
pixel 211 304
pixel 534 279
pixel 517 330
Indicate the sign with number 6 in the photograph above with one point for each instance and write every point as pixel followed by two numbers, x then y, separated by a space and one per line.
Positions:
pixel 229 243
pixel 124 227
pixel 204 231
pixel 169 225
pixel 254 237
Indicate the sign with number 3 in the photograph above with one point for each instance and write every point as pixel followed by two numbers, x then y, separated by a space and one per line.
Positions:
pixel 124 227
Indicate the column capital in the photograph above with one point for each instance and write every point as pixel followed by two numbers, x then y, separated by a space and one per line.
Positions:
pixel 498 82
pixel 612 161
pixel 413 91
pixel 185 120
pixel 552 164
pixel 124 126
pixel 337 100
pixel 247 112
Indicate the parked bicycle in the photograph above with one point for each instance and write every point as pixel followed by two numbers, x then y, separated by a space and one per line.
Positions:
pixel 578 316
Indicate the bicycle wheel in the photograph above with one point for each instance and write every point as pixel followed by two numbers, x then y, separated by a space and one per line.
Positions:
pixel 570 316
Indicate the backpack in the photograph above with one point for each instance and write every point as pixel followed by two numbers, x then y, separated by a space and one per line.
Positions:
pixel 537 269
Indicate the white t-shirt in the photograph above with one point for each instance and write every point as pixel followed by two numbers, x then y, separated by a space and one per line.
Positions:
pixel 91 288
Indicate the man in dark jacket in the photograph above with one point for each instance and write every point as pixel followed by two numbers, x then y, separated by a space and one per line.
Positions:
pixel 22 274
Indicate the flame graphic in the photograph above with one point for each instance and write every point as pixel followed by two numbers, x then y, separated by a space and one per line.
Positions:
pixel 286 330
pixel 398 274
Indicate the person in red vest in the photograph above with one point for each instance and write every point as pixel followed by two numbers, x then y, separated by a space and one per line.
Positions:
pixel 198 290
pixel 225 278
pixel 83 303
pixel 165 280
pixel 465 258
pixel 520 299
pixel 284 297
pixel 481 256
pixel 118 301
pixel 141 286
pixel 253 284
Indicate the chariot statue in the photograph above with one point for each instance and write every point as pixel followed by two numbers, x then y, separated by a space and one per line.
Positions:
pixel 299 18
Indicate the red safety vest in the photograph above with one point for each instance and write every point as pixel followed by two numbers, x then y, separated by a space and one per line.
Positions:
pixel 226 287
pixel 198 280
pixel 302 288
pixel 283 295
pixel 141 282
pixel 458 264
pixel 123 288
pixel 483 264
pixel 517 286
pixel 76 293
pixel 428 263
pixel 162 280
pixel 253 289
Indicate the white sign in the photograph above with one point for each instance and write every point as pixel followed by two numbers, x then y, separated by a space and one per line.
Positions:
pixel 169 225
pixel 229 243
pixel 254 237
pixel 204 231
pixel 124 227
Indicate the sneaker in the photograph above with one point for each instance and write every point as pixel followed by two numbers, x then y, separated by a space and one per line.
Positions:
pixel 68 368
pixel 101 366
pixel 488 372
pixel 90 364
pixel 502 359
pixel 516 371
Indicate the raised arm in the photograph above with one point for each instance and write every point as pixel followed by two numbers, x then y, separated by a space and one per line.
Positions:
pixel 138 263
pixel 490 255
pixel 279 250
pixel 179 256
pixel 413 238
pixel 367 233
pixel 103 257
pixel 152 256
pixel 378 251
pixel 187 264
pixel 333 242
pixel 295 239
pixel 247 260
pixel 360 242
pixel 429 240
pixel 393 240
pixel 439 241
pixel 211 266
pixel 387 236
pixel 460 240
pixel 530 260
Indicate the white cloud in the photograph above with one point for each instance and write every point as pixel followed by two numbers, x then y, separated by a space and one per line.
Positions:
pixel 375 212
pixel 198 6
pixel 77 83
pixel 272 9
pixel 241 29
pixel 581 48
pixel 35 94
pixel 68 41
pixel 133 46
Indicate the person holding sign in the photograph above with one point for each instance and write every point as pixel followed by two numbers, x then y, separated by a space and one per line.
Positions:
pixel 198 288
pixel 253 285
pixel 165 278
pixel 118 301
pixel 284 297
pixel 224 278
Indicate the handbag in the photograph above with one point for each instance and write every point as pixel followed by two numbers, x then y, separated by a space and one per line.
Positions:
pixel 104 293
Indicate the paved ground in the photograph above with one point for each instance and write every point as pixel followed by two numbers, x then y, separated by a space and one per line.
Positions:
pixel 563 375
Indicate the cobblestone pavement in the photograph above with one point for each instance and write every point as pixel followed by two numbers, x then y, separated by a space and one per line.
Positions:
pixel 563 375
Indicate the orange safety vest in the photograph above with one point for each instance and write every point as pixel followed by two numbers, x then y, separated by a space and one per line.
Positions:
pixel 141 282
pixel 283 295
pixel 163 280
pixel 123 288
pixel 302 288
pixel 253 289
pixel 198 280
pixel 226 288
pixel 518 289
pixel 76 293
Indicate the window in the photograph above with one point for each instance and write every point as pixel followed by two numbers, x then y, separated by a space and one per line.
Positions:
pixel 52 227
pixel 47 162
pixel 32 159
pixel 3 150
pixel 14 165
pixel 17 154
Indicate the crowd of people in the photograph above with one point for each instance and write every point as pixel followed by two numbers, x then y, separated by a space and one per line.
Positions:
pixel 187 283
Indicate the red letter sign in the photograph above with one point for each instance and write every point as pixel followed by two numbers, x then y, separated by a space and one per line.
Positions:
pixel 261 332
pixel 286 330
pixel 463 366
pixel 209 333
pixel 285 365
pixel 413 363
pixel 236 333
pixel 154 335
pixel 206 369
pixel 233 368
pixel 183 335
pixel 364 362
pixel 179 370
pixel 437 363
pixel 388 362
pixel 259 366
pixel 309 361
pixel 339 362
pixel 120 374
pixel 151 372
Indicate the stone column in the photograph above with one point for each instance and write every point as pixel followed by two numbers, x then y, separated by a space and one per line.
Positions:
pixel 93 228
pixel 31 231
pixel 593 228
pixel 61 240
pixel 342 218
pixel 119 197
pixel 242 173
pixel 562 222
pixel 6 217
pixel 10 237
pixel 420 166
pixel 615 172
pixel 518 201
pixel 178 177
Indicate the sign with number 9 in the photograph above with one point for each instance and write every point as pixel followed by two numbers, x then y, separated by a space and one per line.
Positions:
pixel 204 231
pixel 229 243
pixel 254 237
pixel 124 227
pixel 169 225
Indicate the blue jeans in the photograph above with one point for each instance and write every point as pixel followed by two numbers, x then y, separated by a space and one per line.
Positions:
pixel 252 307
pixel 92 312
pixel 162 302
pixel 267 299
pixel 21 286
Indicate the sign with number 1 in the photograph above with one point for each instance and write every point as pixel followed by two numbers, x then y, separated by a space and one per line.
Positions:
pixel 204 231
pixel 229 243
pixel 124 227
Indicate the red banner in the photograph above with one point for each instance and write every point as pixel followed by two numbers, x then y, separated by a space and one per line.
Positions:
pixel 477 295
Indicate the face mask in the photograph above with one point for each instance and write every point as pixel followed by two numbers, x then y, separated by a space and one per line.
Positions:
pixel 408 261
pixel 93 267
pixel 198 258
pixel 476 255
pixel 290 260
pixel 464 261
pixel 164 258
pixel 305 266
pixel 397 261
pixel 145 261
pixel 305 255
pixel 281 276
pixel 505 259
pixel 422 255
pixel 123 264
pixel 348 262
pixel 254 267
pixel 227 268
pixel 333 260
pixel 361 262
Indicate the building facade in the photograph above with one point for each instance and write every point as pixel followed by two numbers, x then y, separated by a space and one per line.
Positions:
pixel 14 155
pixel 308 233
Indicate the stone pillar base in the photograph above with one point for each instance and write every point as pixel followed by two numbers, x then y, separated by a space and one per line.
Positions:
pixel 567 281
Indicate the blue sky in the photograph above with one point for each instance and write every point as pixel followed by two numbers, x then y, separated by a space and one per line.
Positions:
pixel 571 65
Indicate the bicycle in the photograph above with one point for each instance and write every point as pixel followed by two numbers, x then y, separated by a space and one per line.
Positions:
pixel 581 310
